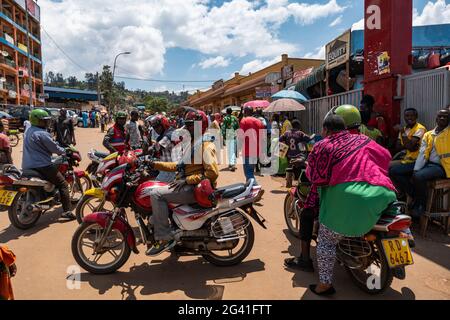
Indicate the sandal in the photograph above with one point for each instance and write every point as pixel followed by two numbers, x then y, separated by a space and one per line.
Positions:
pixel 329 292
pixel 299 263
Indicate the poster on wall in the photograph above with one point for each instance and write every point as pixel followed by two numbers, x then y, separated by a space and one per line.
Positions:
pixel 384 63
pixel 263 92
pixel 338 51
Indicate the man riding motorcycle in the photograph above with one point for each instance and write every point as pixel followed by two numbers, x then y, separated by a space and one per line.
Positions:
pixel 189 174
pixel 164 145
pixel 115 138
pixel 38 148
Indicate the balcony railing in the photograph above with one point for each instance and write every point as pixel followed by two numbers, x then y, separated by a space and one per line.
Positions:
pixel 8 62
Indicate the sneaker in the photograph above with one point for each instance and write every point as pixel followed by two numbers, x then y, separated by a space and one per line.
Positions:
pixel 160 247
pixel 305 265
pixel 69 215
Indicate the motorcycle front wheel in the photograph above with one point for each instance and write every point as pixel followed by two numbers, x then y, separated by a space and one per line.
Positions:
pixel 109 259
pixel 377 277
pixel 19 216
pixel 14 140
pixel 90 204
pixel 290 216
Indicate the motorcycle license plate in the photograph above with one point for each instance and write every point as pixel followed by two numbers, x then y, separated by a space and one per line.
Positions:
pixel 397 252
pixel 7 197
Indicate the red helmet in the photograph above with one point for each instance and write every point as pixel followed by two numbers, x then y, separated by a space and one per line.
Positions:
pixel 159 120
pixel 193 116
pixel 204 194
pixel 129 157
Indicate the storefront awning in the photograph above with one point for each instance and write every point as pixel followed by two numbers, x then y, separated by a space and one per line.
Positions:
pixel 315 77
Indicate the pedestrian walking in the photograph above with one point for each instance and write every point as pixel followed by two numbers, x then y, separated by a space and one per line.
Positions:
pixel 64 130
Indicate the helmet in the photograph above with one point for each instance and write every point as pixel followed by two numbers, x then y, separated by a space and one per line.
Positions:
pixel 204 194
pixel 159 120
pixel 130 158
pixel 350 114
pixel 37 115
pixel 193 116
pixel 121 114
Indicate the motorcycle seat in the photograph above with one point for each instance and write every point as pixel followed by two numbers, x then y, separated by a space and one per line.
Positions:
pixel 100 154
pixel 393 210
pixel 29 173
pixel 232 190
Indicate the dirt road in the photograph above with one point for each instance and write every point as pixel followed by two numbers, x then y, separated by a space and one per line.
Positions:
pixel 44 257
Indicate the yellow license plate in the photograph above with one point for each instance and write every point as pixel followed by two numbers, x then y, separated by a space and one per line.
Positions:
pixel 397 252
pixel 7 197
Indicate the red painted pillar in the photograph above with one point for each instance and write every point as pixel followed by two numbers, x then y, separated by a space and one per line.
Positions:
pixel 387 50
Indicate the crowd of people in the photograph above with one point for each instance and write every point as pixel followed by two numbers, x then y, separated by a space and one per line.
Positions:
pixel 352 174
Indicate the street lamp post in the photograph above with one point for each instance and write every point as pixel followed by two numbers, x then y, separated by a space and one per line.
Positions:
pixel 114 72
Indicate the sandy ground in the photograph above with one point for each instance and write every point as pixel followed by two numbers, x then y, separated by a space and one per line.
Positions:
pixel 44 256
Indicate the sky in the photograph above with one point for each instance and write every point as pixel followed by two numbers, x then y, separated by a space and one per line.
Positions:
pixel 196 40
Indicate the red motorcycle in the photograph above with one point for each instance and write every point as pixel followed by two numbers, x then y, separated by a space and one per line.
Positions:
pixel 222 234
pixel 26 195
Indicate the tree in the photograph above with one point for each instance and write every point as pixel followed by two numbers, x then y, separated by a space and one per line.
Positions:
pixel 72 82
pixel 157 104
pixel 60 81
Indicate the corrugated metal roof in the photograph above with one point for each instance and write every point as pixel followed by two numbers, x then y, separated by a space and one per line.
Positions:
pixel 48 89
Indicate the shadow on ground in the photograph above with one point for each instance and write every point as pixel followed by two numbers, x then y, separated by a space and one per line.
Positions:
pixel 165 276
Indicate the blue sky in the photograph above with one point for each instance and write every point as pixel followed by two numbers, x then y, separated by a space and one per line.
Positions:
pixel 182 40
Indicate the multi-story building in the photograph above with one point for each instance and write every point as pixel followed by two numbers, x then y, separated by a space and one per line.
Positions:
pixel 14 50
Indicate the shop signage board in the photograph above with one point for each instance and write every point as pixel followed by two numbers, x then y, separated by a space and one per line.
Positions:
pixel 218 84
pixel 287 72
pixel 338 51
pixel 263 92
pixel 301 74
pixel 273 77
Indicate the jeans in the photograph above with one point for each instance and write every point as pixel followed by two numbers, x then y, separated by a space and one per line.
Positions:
pixel 231 150
pixel 161 197
pixel 249 168
pixel 401 176
pixel 52 175
pixel 165 176
pixel 431 171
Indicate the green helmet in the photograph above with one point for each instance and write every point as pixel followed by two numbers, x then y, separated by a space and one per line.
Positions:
pixel 37 115
pixel 350 114
pixel 121 114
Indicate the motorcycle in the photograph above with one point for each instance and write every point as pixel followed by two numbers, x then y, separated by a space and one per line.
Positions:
pixel 371 261
pixel 102 163
pixel 223 234
pixel 27 196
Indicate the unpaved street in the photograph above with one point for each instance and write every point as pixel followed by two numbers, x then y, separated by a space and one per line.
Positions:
pixel 44 255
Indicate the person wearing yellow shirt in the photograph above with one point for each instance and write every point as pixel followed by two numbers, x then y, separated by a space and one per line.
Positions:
pixel 433 161
pixel 409 139
pixel 287 126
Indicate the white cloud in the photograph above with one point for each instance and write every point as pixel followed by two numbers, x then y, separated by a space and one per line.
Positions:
pixel 358 25
pixel 337 21
pixel 256 65
pixel 92 33
pixel 433 13
pixel 214 62
pixel 318 54
pixel 305 13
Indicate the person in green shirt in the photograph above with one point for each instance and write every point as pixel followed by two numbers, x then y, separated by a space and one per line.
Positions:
pixel 229 126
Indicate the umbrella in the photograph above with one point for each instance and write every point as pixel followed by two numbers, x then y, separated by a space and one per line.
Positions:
pixel 257 104
pixel 289 94
pixel 233 109
pixel 285 105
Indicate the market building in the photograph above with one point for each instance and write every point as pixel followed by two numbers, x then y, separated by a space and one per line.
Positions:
pixel 259 85
pixel 15 50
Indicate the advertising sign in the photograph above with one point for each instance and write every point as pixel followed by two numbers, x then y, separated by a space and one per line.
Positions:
pixel 263 92
pixel 33 9
pixel 301 74
pixel 273 77
pixel 338 51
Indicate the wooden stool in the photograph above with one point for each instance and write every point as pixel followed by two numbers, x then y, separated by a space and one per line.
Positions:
pixel 436 208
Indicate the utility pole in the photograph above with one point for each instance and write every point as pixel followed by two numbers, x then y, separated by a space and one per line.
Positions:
pixel 99 98
pixel 30 72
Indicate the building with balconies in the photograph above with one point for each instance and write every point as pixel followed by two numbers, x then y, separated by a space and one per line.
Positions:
pixel 14 50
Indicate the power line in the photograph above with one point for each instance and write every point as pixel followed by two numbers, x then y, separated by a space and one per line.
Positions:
pixel 167 81
pixel 67 56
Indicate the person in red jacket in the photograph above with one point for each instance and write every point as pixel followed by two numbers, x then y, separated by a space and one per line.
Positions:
pixel 249 137
pixel 115 139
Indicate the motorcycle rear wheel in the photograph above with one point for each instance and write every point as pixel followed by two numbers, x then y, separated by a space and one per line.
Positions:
pixel 91 231
pixel 78 187
pixel 386 274
pixel 237 257
pixel 291 217
pixel 15 209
